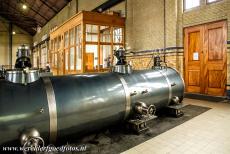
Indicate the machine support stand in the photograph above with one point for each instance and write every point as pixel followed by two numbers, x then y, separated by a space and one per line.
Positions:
pixel 174 110
pixel 139 125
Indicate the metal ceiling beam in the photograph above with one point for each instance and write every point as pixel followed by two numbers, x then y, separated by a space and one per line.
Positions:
pixel 106 5
pixel 50 7
pixel 22 22
pixel 20 25
pixel 37 13
pixel 26 18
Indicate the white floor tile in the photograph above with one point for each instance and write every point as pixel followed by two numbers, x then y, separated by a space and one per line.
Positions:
pixel 208 133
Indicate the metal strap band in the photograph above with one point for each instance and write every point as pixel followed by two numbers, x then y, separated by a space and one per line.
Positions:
pixel 52 108
pixel 169 85
pixel 127 96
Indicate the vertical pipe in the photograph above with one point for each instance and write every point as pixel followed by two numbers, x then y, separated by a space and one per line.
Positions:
pixel 77 3
pixel 164 28
pixel 10 44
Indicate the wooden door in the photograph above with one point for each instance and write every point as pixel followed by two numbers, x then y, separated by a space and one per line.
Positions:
pixel 89 61
pixel 215 68
pixel 194 59
pixel 205 58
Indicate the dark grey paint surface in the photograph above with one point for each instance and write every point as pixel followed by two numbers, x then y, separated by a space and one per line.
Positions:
pixel 85 103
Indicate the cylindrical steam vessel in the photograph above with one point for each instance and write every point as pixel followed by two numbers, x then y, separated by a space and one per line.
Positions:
pixel 58 107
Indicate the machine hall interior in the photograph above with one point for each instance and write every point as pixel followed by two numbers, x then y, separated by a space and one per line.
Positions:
pixel 115 76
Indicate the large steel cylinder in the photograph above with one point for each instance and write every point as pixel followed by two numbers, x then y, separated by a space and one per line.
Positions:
pixel 61 106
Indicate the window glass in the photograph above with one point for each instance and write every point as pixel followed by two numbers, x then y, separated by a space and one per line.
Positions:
pixel 55 60
pixel 78 57
pixel 35 58
pixel 71 58
pixel 117 35
pixel 78 47
pixel 71 36
pixel 66 39
pixel 78 34
pixel 191 4
pixel 210 1
pixel 55 44
pixel 43 57
pixel 91 33
pixel 105 55
pixel 52 45
pixel 105 34
pixel 59 42
pixel 66 60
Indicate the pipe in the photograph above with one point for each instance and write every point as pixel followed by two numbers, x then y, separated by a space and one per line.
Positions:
pixel 108 4
pixel 10 44
pixel 164 30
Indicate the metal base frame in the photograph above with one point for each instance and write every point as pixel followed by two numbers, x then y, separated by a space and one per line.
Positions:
pixel 139 125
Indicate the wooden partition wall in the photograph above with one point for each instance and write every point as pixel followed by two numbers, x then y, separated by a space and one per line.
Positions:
pixel 85 43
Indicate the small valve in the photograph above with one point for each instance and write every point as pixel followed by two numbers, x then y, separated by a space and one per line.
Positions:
pixel 133 93
pixel 144 91
pixel 143 109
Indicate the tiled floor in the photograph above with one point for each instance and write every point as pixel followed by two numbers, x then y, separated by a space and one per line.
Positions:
pixel 208 133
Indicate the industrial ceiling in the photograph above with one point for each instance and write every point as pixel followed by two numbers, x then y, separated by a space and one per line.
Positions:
pixel 30 14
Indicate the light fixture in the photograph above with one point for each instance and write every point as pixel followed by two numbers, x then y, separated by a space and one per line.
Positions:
pixel 24 6
pixel 13 32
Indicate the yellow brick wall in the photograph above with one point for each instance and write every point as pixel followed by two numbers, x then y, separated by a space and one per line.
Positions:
pixel 173 58
pixel 144 28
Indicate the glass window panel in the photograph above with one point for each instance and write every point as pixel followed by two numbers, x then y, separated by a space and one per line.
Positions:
pixel 117 35
pixel 52 59
pixel 210 1
pixel 55 44
pixel 52 45
pixel 91 33
pixel 35 58
pixel 71 35
pixel 78 57
pixel 59 42
pixel 66 39
pixel 78 34
pixel 55 61
pixel 66 60
pixel 105 34
pixel 71 58
pixel 91 57
pixel 43 57
pixel 105 59
pixel 191 4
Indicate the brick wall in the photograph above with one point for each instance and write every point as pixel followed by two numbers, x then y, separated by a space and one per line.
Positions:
pixel 144 24
pixel 144 28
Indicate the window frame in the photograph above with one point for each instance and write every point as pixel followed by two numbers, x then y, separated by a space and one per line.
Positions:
pixel 185 10
pixel 216 1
